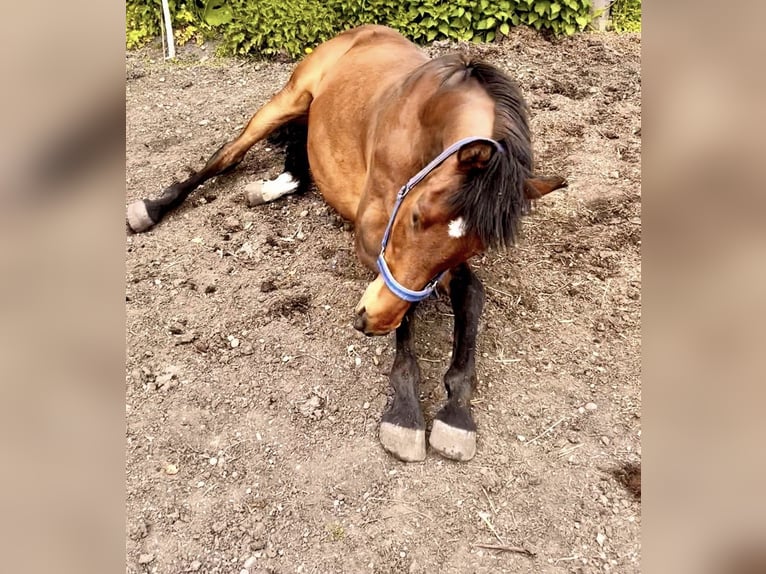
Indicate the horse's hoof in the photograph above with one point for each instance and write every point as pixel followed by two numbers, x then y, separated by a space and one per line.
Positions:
pixel 408 445
pixel 452 442
pixel 138 218
pixel 254 194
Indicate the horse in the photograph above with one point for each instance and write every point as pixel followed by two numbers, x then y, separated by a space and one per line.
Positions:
pixel 431 159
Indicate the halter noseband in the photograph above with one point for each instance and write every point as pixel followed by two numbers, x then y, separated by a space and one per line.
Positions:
pixel 388 278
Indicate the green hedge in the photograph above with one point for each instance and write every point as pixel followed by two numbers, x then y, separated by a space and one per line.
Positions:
pixel 625 15
pixel 292 27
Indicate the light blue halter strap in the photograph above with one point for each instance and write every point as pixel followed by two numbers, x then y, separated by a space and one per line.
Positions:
pixel 388 278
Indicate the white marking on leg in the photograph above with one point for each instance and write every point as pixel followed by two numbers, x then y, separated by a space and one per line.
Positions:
pixel 280 186
pixel 457 228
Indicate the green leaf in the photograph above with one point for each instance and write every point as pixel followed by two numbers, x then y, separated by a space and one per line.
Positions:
pixel 582 21
pixel 505 28
pixel 490 36
pixel 217 12
pixel 555 8
pixel 541 7
pixel 444 29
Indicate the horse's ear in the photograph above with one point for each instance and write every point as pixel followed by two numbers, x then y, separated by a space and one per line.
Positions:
pixel 474 155
pixel 536 187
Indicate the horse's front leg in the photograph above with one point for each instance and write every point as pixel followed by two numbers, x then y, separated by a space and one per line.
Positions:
pixel 402 430
pixel 454 433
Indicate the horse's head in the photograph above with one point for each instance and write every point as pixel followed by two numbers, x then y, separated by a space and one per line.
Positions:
pixel 465 204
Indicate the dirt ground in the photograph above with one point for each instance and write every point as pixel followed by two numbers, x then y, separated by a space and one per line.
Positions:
pixel 253 405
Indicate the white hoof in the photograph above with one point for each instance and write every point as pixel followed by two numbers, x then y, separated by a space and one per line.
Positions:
pixel 138 218
pixel 452 442
pixel 260 192
pixel 405 444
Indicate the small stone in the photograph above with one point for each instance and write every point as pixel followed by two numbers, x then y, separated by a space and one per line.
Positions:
pixel 250 562
pixel 145 558
pixel 247 349
pixel 194 566
pixel 366 405
pixel 357 361
pixel 268 286
pixel 171 469
pixel 591 406
pixel 186 338
pixel 600 538
pixel 204 122
pixel 213 460
pixel 605 440
pixel 375 360
pixel 176 328
pixel 521 437
pixel 218 527
pixel 232 224
pixel 201 346
pixel 210 288
pixel 271 553
pixel 304 213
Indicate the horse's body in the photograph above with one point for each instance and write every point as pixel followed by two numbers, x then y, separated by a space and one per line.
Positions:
pixel 378 110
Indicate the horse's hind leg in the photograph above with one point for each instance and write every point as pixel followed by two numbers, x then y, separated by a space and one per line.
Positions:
pixel 296 176
pixel 402 430
pixel 291 102
pixel 454 433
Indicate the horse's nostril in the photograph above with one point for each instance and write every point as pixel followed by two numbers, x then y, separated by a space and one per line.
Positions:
pixel 361 320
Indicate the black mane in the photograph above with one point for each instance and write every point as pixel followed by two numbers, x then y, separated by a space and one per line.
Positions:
pixel 492 200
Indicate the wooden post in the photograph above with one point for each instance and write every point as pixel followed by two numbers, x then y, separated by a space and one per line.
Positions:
pixel 600 22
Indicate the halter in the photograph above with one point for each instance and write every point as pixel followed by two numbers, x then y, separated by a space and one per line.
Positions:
pixel 388 278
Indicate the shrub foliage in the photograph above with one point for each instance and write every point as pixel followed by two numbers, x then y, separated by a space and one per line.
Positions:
pixel 626 15
pixel 270 27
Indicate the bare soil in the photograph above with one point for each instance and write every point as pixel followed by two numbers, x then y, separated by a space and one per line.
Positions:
pixel 253 405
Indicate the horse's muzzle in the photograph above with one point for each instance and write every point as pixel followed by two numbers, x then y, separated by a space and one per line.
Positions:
pixel 361 323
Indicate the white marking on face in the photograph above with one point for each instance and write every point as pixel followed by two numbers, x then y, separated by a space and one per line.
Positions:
pixel 457 228
pixel 280 186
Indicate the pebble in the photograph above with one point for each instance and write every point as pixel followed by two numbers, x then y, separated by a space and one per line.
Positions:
pixel 232 224
pixel 186 338
pixel 145 558
pixel 176 328
pixel 605 440
pixel 304 213
pixel 196 565
pixel 247 349
pixel 250 562
pixel 591 406
pixel 366 405
pixel 171 469
pixel 218 527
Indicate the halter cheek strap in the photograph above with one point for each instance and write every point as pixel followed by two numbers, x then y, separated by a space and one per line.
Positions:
pixel 388 278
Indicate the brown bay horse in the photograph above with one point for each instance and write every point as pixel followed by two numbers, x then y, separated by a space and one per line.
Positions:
pixel 432 161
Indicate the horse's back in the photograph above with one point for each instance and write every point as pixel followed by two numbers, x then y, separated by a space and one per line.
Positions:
pixel 358 68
